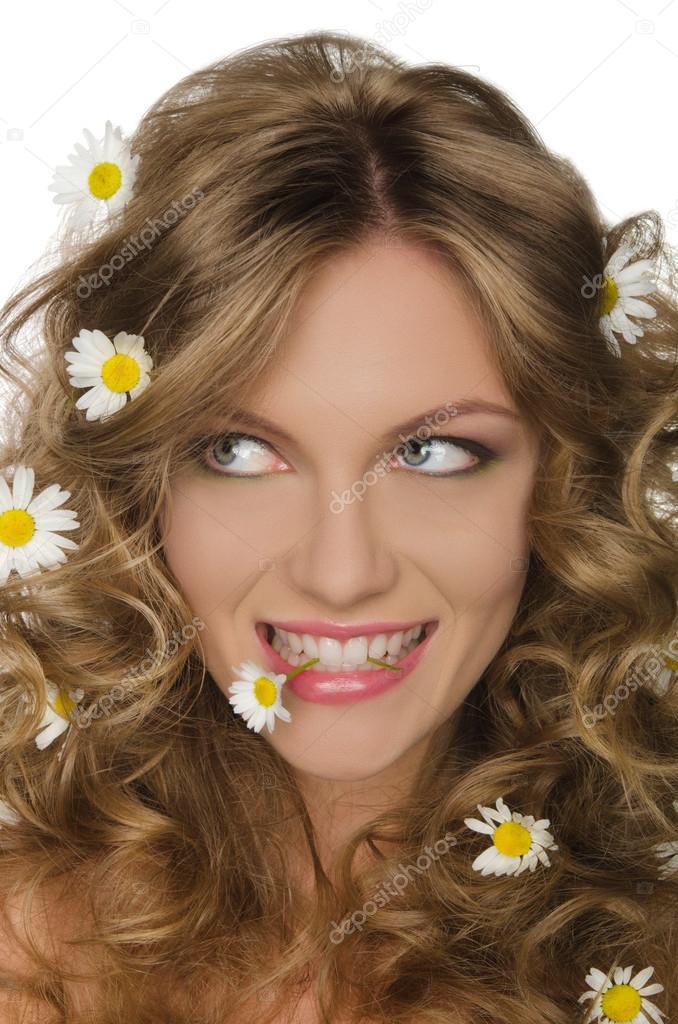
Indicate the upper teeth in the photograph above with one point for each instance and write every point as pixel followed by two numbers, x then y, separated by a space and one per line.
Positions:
pixel 296 648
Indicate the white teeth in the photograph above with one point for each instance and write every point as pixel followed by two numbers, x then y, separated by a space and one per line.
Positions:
pixel 355 650
pixel 378 646
pixel 294 640
pixel 351 654
pixel 310 646
pixel 330 651
pixel 395 643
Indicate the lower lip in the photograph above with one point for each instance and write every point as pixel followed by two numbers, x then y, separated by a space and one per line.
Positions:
pixel 340 687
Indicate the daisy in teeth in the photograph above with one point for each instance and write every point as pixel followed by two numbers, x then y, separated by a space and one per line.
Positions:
pixel 517 841
pixel 101 175
pixel 27 525
pixel 110 369
pixel 358 652
pixel 621 284
pixel 622 999
pixel 256 695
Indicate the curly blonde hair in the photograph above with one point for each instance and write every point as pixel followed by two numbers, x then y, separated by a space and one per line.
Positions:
pixel 159 842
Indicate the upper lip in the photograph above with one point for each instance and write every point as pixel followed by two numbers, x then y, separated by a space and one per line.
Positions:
pixel 340 631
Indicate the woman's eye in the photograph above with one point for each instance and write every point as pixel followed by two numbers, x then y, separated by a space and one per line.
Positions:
pixel 445 456
pixel 239 455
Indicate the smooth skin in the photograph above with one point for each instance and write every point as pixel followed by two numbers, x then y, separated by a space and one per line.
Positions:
pixel 381 334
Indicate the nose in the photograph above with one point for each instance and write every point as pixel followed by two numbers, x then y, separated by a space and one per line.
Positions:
pixel 344 559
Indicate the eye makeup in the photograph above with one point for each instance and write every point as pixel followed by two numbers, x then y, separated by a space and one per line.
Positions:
pixel 201 448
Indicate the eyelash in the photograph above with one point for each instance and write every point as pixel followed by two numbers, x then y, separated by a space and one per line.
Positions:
pixel 200 447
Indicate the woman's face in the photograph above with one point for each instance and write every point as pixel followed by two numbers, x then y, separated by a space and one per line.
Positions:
pixel 333 520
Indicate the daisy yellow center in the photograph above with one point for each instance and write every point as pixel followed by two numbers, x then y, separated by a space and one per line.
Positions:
pixel 512 839
pixel 16 527
pixel 609 297
pixel 671 663
pixel 265 691
pixel 104 180
pixel 120 372
pixel 63 704
pixel 621 1002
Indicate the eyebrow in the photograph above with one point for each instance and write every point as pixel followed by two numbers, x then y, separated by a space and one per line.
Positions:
pixel 255 421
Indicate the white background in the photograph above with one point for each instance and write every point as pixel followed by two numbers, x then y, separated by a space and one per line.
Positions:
pixel 599 80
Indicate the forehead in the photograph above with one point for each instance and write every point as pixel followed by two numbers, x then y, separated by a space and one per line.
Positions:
pixel 382 324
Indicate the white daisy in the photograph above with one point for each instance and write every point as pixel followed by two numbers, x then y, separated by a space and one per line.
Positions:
pixel 110 369
pixel 27 525
pixel 657 670
pixel 621 285
pixel 101 175
pixel 7 814
pixel 517 841
pixel 622 998
pixel 58 713
pixel 670 851
pixel 666 675
pixel 257 696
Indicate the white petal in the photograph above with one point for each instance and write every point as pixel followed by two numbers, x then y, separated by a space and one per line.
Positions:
pixel 54 729
pixel 653 1011
pixel 6 564
pixel 596 979
pixel 642 976
pixel 144 381
pixel 56 520
pixel 93 145
pixel 128 344
pixel 488 856
pixel 22 486
pixel 5 495
pixel 96 348
pixel 480 826
pixel 640 270
pixel 637 307
pixel 48 500
pixel 651 990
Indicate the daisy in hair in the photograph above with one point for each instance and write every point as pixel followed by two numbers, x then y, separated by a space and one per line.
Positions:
pixel 518 841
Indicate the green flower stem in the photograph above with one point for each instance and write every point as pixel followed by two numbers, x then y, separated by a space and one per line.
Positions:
pixel 300 668
pixel 384 664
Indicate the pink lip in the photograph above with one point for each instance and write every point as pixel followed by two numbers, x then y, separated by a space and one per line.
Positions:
pixel 340 687
pixel 340 631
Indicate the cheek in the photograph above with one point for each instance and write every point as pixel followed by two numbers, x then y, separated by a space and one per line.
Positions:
pixel 469 535
pixel 207 548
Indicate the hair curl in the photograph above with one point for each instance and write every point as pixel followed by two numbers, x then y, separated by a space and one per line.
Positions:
pixel 157 840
